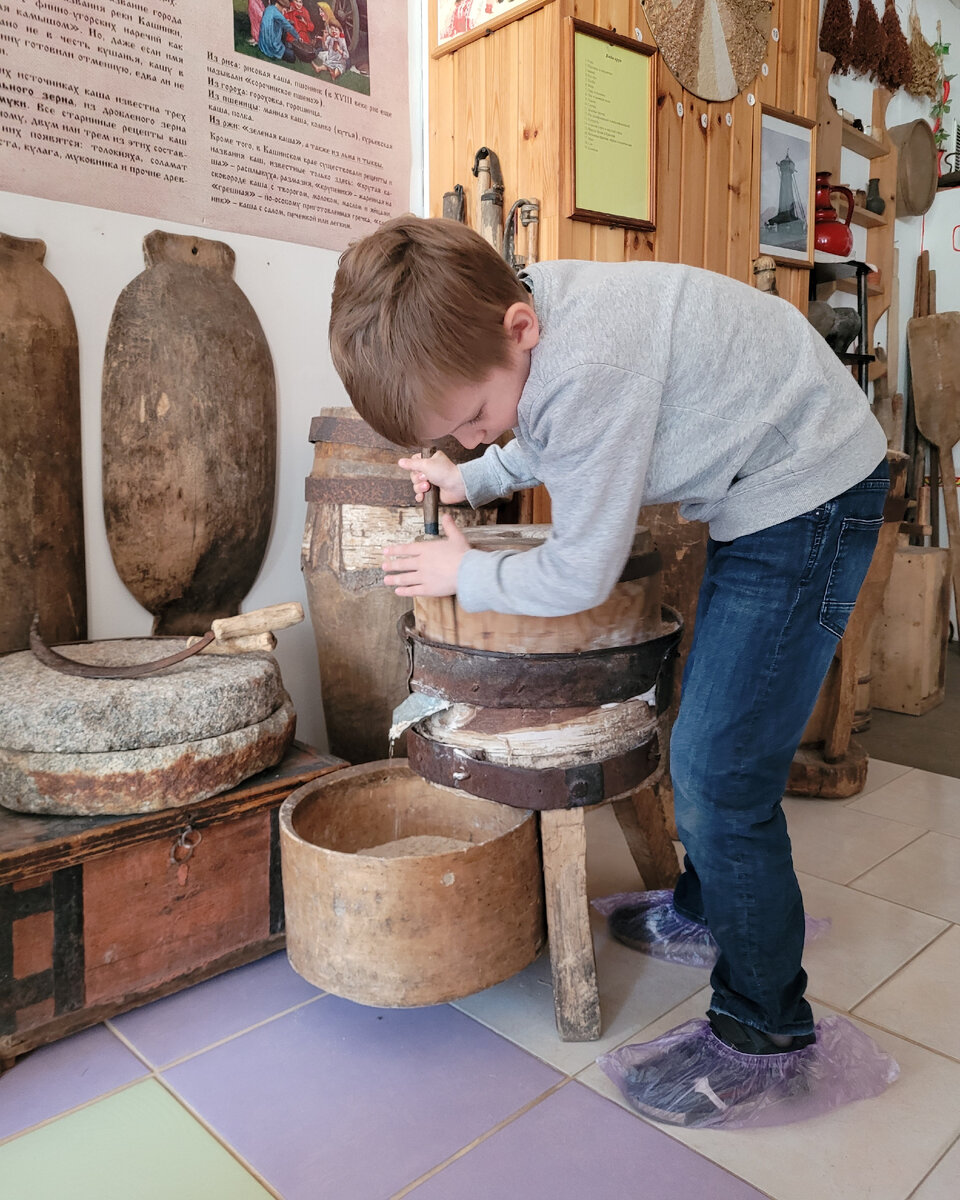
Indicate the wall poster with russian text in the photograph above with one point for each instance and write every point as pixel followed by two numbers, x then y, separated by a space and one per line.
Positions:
pixel 285 120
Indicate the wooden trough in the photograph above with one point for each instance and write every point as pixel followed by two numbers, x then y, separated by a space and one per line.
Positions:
pixel 400 893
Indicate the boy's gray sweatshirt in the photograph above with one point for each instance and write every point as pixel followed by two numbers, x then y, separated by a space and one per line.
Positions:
pixel 652 383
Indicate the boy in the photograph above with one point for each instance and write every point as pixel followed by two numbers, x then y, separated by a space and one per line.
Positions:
pixel 275 29
pixel 626 385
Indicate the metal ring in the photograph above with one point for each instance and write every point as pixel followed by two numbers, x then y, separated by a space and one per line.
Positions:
pixel 588 678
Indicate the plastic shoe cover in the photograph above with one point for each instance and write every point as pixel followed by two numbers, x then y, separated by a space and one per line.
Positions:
pixel 689 1077
pixel 648 922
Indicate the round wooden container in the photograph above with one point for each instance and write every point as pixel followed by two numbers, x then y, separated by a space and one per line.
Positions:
pixel 407 930
pixel 630 614
pixel 41 495
pixel 189 435
pixel 358 501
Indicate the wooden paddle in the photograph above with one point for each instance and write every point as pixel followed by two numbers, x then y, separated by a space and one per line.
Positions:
pixel 934 345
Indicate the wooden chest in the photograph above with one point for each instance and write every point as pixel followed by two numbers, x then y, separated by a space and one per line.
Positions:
pixel 101 914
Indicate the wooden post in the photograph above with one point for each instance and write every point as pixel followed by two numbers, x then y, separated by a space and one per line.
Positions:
pixel 644 827
pixel 575 995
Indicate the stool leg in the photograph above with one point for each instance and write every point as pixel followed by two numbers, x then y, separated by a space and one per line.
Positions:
pixel 575 996
pixel 641 818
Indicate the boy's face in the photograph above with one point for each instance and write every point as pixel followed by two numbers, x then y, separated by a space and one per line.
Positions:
pixel 478 413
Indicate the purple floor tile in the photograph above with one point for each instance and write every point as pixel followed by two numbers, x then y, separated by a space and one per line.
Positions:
pixel 188 1021
pixel 577 1144
pixel 54 1078
pixel 338 1100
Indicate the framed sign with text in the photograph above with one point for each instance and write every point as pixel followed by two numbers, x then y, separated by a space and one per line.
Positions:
pixel 611 127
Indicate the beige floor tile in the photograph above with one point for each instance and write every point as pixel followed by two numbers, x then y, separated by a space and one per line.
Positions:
pixel 880 773
pixel 869 939
pixel 634 990
pixel 924 875
pixel 943 1182
pixel 917 798
pixel 878 1149
pixel 920 1001
pixel 610 866
pixel 833 842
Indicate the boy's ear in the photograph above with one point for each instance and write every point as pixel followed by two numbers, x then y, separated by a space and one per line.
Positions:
pixel 522 326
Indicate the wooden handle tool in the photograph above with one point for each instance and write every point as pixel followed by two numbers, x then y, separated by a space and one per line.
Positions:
pixel 228 635
pixel 238 645
pixel 261 620
pixel 431 503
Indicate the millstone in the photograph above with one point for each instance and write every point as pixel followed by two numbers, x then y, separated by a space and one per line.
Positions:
pixel 205 696
pixel 143 780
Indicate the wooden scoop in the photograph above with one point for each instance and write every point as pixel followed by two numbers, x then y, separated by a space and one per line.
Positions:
pixel 934 345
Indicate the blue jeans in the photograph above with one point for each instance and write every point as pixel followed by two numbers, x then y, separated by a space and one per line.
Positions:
pixel 772 606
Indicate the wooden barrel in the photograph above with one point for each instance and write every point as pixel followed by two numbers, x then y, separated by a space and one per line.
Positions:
pixel 398 893
pixel 189 435
pixel 630 614
pixel 41 495
pixel 359 500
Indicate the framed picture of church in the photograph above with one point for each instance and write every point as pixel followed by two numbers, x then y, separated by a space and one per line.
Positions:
pixel 784 186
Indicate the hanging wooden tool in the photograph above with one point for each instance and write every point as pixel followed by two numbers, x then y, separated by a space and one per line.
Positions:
pixel 41 493
pixel 189 421
pixel 489 177
pixel 526 213
pixel 934 346
pixel 454 203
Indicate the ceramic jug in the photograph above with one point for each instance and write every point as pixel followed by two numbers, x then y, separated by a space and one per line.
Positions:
pixel 831 234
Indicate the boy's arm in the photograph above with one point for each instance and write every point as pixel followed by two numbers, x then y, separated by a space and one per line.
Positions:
pixel 597 432
pixel 499 471
pixel 291 28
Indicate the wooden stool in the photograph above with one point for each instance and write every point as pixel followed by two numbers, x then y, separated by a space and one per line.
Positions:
pixel 555 714
pixel 563 837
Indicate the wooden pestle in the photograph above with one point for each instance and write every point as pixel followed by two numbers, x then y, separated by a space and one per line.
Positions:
pixel 431 503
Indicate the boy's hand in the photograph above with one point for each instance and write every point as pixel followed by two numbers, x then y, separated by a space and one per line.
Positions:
pixel 436 469
pixel 426 568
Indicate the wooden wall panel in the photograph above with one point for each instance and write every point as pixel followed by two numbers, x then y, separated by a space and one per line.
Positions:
pixel 740 191
pixel 507 89
pixel 693 194
pixel 539 124
pixel 717 224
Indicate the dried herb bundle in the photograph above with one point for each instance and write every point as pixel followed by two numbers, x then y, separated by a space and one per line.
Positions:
pixel 836 32
pixel 925 66
pixel 896 67
pixel 866 47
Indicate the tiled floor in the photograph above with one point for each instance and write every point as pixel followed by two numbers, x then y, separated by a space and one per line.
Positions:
pixel 255 1084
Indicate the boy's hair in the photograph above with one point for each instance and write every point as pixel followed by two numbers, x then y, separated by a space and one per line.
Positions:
pixel 418 308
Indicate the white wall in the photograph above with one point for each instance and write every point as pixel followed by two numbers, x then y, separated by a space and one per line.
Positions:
pixel 94 253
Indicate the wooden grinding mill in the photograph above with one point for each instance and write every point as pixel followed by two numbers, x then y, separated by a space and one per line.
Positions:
pixel 548 715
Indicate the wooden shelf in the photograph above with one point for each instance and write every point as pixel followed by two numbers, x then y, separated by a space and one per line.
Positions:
pixel 850 285
pixel 868 219
pixel 859 143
